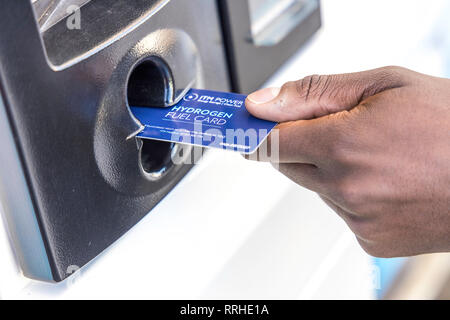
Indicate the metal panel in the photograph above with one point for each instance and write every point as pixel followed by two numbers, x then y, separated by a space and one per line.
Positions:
pixel 72 127
pixel 253 58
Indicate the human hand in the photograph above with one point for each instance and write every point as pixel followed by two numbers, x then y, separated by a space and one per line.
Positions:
pixel 375 146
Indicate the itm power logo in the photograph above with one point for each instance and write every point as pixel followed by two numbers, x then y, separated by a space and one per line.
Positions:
pixel 210 99
pixel 191 97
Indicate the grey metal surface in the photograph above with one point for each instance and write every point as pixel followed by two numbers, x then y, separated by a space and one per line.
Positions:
pixel 178 63
pixel 18 210
pixel 73 129
pixel 278 27
pixel 252 59
pixel 101 23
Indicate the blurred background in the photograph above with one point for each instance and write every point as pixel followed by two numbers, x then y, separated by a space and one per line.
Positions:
pixel 234 229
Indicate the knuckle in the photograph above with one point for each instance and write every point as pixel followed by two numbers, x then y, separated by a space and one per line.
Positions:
pixel 391 76
pixel 378 250
pixel 343 137
pixel 312 87
pixel 395 69
pixel 351 195
pixel 385 78
pixel 288 87
pixel 338 152
pixel 380 80
pixel 370 248
pixel 364 230
pixel 390 71
pixel 375 241
pixel 339 149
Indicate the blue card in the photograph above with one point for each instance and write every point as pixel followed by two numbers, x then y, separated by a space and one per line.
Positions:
pixel 205 118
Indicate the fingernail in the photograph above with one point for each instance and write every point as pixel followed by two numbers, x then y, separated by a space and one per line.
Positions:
pixel 264 95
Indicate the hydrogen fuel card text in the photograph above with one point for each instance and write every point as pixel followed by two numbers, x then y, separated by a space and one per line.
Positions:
pixel 205 118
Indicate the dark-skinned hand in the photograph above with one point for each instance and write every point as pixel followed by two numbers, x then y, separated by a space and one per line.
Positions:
pixel 375 146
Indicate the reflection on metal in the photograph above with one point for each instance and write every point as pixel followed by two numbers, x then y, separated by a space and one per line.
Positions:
pixel 159 157
pixel 66 47
pixel 271 30
pixel 50 12
pixel 272 21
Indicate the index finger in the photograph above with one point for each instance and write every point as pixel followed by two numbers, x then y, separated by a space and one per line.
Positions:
pixel 301 141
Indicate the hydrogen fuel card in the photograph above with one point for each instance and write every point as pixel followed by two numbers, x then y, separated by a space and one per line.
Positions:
pixel 205 118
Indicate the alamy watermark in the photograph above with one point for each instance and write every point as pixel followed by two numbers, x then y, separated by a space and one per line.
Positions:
pixel 73 21
pixel 231 139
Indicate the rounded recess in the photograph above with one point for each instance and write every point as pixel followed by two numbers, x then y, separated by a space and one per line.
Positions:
pixel 149 86
pixel 154 72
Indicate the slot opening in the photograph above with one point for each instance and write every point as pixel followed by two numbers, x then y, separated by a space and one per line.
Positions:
pixel 148 86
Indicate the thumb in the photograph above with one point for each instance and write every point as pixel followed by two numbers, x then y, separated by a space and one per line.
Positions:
pixel 316 96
